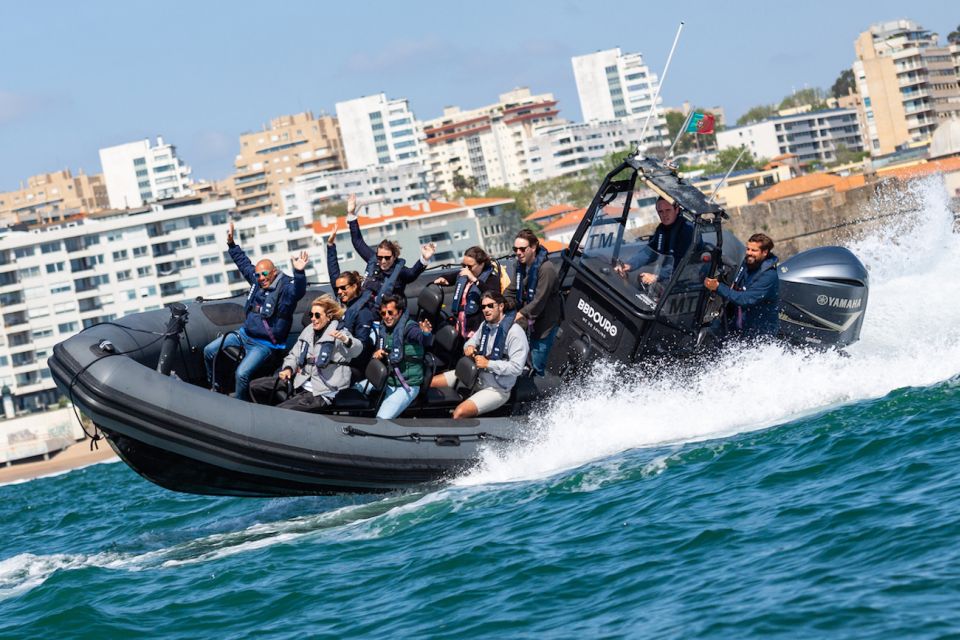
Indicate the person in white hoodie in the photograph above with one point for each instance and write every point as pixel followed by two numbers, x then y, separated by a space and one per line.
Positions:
pixel 500 349
pixel 316 367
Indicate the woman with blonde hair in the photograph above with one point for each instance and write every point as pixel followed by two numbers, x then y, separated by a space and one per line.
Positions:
pixel 316 367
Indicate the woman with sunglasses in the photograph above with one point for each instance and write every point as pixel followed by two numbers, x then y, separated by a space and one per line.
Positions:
pixel 386 272
pixel 316 367
pixel 347 286
pixel 479 274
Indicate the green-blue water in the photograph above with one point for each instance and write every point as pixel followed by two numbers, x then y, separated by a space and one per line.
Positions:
pixel 773 494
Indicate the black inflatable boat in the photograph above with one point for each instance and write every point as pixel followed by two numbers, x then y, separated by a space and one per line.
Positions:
pixel 141 378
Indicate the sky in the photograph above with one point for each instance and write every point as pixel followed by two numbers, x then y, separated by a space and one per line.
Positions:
pixel 76 77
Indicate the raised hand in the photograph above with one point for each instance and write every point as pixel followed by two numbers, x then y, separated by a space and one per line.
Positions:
pixel 426 326
pixel 441 281
pixel 332 238
pixel 230 233
pixel 427 251
pixel 300 261
pixel 351 207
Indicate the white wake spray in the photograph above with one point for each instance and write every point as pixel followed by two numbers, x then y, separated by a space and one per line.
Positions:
pixel 910 337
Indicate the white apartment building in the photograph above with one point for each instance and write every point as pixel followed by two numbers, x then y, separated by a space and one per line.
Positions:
pixel 486 147
pixel 136 173
pixel 378 131
pixel 378 188
pixel 568 148
pixel 612 84
pixel 813 136
pixel 58 279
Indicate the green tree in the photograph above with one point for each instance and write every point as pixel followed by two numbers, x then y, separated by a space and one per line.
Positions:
pixel 844 84
pixel 954 36
pixel 725 160
pixel 756 114
pixel 336 209
pixel 812 96
pixel 675 120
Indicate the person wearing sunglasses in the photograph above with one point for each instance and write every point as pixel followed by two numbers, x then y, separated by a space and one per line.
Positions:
pixel 386 271
pixel 268 310
pixel 316 367
pixel 401 344
pixel 478 275
pixel 534 292
pixel 347 286
pixel 500 350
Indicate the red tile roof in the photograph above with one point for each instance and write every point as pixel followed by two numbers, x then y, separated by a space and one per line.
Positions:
pixel 549 212
pixel 571 219
pixel 397 213
pixel 947 165
pixel 799 186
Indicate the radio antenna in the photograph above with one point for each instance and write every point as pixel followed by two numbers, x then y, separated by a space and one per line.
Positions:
pixel 743 150
pixel 656 94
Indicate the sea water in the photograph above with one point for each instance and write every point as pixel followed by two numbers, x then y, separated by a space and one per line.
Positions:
pixel 770 493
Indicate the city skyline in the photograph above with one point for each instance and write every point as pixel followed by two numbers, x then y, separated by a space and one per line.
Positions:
pixel 200 76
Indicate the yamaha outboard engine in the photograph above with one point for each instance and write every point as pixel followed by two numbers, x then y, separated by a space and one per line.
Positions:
pixel 823 297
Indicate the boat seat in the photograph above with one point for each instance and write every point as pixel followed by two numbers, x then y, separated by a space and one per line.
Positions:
pixel 430 303
pixel 525 390
pixel 351 399
pixel 466 377
pixel 446 345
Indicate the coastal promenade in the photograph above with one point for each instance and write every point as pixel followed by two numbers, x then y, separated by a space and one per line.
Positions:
pixel 73 457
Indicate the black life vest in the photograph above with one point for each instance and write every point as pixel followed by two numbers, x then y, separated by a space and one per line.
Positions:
pixel 387 284
pixel 271 301
pixel 527 278
pixel 474 296
pixel 497 351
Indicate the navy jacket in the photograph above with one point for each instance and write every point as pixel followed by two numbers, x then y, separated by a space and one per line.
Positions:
pixel 756 295
pixel 363 320
pixel 672 241
pixel 281 321
pixel 366 253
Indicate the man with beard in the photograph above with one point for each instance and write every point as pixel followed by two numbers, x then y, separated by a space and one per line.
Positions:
pixel 755 293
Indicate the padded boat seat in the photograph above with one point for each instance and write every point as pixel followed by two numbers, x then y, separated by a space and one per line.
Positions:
pixel 446 395
pixel 525 390
pixel 351 399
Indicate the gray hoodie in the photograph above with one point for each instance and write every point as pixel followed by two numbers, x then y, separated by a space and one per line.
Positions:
pixel 331 378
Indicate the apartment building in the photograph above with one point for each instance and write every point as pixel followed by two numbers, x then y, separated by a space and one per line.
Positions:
pixel 378 188
pixel 572 147
pixel 454 227
pixel 485 147
pixel 136 173
pixel 50 197
pixel 270 160
pixel 58 279
pixel 813 136
pixel 612 84
pixel 378 131
pixel 908 84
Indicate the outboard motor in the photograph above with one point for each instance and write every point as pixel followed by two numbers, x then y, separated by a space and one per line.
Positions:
pixel 823 297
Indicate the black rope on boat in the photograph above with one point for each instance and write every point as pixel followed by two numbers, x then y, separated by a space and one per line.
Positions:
pixel 440 439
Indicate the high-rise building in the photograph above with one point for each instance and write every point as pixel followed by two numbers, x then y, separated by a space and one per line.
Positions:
pixel 908 84
pixel 50 197
pixel 378 131
pixel 270 160
pixel 612 84
pixel 571 147
pixel 136 173
pixel 486 147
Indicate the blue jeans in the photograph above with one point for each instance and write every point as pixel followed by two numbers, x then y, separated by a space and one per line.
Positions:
pixel 395 399
pixel 540 349
pixel 256 354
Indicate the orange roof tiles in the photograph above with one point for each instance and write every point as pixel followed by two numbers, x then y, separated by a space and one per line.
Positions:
pixel 798 186
pixel 947 165
pixel 481 202
pixel 552 245
pixel 569 220
pixel 549 212
pixel 850 182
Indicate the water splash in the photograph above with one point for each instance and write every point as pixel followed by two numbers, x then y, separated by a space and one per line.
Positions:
pixel 909 338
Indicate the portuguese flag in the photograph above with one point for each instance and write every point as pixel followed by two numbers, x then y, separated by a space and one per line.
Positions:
pixel 701 123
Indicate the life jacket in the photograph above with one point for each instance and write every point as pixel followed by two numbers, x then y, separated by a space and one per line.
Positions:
pixel 474 295
pixel 327 345
pixel 395 355
pixel 408 371
pixel 497 351
pixel 527 278
pixel 271 301
pixel 666 243
pixel 386 285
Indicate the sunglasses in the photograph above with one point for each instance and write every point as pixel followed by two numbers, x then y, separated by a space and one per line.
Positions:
pixel 520 249
pixel 389 312
pixel 343 287
pixel 318 314
pixel 489 305
pixel 265 273
pixel 384 258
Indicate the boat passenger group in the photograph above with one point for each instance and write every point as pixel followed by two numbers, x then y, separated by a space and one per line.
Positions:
pixel 502 320
pixel 502 316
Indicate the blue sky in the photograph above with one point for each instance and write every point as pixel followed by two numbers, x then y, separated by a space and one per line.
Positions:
pixel 80 76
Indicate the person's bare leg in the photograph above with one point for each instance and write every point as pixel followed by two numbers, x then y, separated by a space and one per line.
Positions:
pixel 466 409
pixel 438 381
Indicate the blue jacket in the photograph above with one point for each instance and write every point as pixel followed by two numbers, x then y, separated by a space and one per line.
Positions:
pixel 279 323
pixel 374 282
pixel 672 241
pixel 757 297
